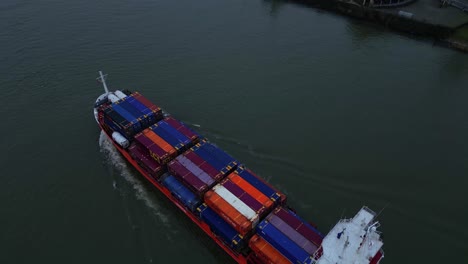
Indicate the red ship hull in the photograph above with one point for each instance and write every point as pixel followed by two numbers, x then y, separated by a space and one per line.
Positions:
pixel 239 258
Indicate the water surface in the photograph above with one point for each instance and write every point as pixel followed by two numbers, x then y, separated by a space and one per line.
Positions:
pixel 334 112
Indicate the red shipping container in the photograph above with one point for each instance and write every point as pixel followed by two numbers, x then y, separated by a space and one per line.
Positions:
pixel 157 153
pixel 143 158
pixel 205 166
pixel 233 217
pixel 190 180
pixel 266 252
pixel 154 108
pixel 182 129
pixel 248 188
pixel 298 225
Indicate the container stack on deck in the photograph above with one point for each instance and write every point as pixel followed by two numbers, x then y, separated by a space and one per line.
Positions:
pixel 201 167
pixel 291 236
pixel 246 213
pixel 130 115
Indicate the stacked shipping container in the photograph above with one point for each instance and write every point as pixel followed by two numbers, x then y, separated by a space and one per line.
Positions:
pixel 222 229
pixel 200 169
pixel 131 114
pixel 142 156
pixel 266 252
pixel 159 149
pixel 229 198
pixel 290 235
pixel 261 185
pixel 242 203
pixel 164 141
pixel 181 192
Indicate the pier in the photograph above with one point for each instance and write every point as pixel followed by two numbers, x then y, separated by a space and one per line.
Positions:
pixel 444 21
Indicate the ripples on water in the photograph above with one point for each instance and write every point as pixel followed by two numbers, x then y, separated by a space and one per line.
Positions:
pixel 140 190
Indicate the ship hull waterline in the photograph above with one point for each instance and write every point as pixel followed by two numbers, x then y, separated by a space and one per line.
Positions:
pixel 203 226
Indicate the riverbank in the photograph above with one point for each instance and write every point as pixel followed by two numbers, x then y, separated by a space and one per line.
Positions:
pixel 447 26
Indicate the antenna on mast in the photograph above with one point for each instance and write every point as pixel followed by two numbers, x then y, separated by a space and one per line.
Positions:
pixel 102 79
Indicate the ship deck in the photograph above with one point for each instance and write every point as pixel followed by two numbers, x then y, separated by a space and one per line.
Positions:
pixel 349 241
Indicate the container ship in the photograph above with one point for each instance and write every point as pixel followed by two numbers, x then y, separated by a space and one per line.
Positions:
pixel 241 212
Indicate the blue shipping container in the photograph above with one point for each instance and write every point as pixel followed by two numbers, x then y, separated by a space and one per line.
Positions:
pixel 135 112
pixel 167 137
pixel 221 228
pixel 182 193
pixel 283 244
pixel 220 166
pixel 115 127
pixel 145 110
pixel 179 136
pixel 223 162
pixel 132 110
pixel 219 153
pixel 138 105
pixel 189 165
pixel 305 223
pixel 125 114
pixel 259 184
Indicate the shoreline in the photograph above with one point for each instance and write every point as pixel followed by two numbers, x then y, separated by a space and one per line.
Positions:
pixel 454 37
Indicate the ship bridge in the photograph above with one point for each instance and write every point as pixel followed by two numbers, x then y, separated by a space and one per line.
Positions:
pixel 353 241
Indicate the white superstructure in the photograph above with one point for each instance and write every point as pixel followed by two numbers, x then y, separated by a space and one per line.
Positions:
pixel 353 241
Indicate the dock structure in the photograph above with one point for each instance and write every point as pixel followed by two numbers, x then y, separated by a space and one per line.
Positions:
pixel 455 3
pixel 430 12
pixel 443 21
pixel 389 3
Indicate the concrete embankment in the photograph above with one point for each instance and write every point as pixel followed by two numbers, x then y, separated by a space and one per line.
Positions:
pixel 446 26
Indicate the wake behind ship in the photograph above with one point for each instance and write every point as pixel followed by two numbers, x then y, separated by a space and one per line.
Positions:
pixel 243 214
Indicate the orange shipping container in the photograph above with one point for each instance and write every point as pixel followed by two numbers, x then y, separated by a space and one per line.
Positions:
pixel 248 188
pixel 233 217
pixel 266 252
pixel 159 141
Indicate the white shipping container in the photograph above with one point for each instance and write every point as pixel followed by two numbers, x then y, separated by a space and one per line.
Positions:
pixel 235 202
pixel 112 97
pixel 120 94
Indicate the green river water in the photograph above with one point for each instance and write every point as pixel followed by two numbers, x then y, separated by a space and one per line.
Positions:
pixel 334 112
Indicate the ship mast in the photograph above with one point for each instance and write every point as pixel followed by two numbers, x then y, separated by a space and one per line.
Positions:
pixel 102 79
